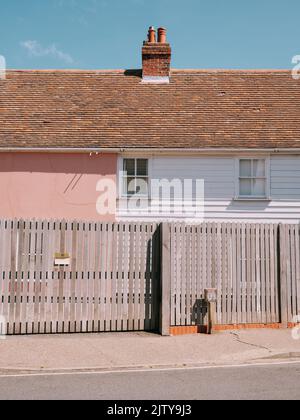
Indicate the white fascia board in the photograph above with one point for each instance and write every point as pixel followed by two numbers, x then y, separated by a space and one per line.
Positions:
pixel 164 151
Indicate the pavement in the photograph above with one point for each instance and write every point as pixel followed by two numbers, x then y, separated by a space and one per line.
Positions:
pixel 123 351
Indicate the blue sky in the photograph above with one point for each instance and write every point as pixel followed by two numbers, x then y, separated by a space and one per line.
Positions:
pixel 107 34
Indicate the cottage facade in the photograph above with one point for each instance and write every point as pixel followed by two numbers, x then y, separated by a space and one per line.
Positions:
pixel 64 132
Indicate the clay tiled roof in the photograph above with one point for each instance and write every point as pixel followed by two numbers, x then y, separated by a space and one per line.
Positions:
pixel 199 109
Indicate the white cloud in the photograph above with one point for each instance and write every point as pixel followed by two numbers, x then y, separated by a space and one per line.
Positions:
pixel 34 48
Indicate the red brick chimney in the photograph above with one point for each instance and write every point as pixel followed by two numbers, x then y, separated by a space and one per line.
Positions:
pixel 156 57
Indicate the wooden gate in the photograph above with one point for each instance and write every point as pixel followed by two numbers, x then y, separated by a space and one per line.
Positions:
pixel 65 277
pixel 290 273
pixel 240 260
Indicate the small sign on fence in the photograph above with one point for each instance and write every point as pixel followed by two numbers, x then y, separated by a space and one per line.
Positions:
pixel 62 259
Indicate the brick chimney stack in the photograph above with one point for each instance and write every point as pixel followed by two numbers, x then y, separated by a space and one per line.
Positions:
pixel 156 57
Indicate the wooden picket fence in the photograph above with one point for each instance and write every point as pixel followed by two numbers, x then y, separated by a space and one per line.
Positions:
pixel 239 260
pixel 144 276
pixel 110 284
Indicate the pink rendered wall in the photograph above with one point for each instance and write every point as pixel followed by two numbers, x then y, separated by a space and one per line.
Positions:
pixel 49 185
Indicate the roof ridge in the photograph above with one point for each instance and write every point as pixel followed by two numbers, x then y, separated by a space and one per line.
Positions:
pixel 174 71
pixel 230 71
pixel 64 71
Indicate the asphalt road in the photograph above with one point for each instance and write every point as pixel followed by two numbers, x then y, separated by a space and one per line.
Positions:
pixel 276 381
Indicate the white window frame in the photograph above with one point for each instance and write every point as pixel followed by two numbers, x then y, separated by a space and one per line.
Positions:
pixel 121 192
pixel 238 178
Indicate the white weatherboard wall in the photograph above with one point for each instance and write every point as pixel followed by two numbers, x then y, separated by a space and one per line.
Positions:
pixel 218 173
pixel 219 177
pixel 285 177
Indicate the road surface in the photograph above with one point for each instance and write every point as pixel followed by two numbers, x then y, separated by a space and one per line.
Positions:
pixel 276 381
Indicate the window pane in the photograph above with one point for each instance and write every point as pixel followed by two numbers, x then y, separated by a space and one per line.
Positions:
pixel 129 166
pixel 129 186
pixel 142 186
pixel 245 168
pixel 245 187
pixel 259 168
pixel 142 167
pixel 259 188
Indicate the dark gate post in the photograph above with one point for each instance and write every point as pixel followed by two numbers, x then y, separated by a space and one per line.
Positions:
pixel 165 281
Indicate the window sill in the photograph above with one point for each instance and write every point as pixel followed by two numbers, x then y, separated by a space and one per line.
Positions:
pixel 135 196
pixel 252 199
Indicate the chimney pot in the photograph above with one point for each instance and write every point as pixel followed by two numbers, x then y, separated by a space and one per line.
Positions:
pixel 162 35
pixel 152 35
